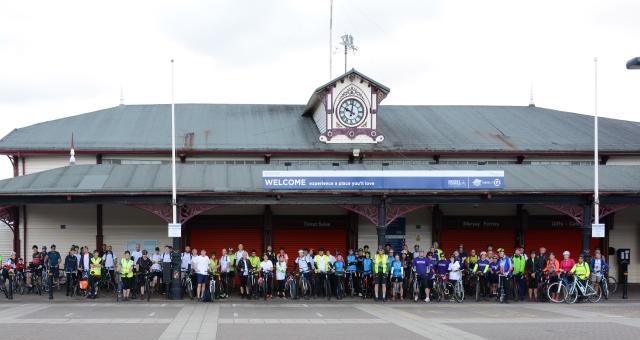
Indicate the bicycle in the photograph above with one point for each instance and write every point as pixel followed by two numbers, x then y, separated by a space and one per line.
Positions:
pixel 265 283
pixel 542 287
pixel 415 287
pixel 395 288
pixel 305 286
pixel 612 283
pixel 502 283
pixel 340 293
pixel 290 286
pixel 326 284
pixel 608 284
pixel 458 291
pixel 7 288
pixel 106 281
pixel 366 285
pixel 36 280
pixel 213 285
pixel 147 285
pixel 187 284
pixel 253 284
pixel 557 291
pixel 351 283
pixel 443 288
pixel 577 288
pixel 19 283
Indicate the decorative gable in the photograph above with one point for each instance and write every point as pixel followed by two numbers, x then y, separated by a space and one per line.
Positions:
pixel 348 113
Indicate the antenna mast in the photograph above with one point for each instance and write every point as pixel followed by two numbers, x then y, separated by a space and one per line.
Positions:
pixel 330 39
pixel 347 42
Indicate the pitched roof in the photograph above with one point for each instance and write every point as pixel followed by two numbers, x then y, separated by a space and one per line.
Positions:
pixel 273 128
pixel 226 178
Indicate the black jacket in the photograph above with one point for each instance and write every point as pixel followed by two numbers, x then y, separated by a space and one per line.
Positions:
pixel 240 266
pixel 70 263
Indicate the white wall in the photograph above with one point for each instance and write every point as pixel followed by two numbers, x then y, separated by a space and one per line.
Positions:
pixel 43 226
pixel 6 240
pixel 122 223
pixel 421 217
pixel 35 164
pixel 626 234
pixel 624 160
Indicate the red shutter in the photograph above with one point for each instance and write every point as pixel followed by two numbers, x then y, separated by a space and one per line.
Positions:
pixel 292 239
pixel 557 240
pixel 214 239
pixel 477 239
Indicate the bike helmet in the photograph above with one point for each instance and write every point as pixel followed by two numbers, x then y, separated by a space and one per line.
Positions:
pixel 567 253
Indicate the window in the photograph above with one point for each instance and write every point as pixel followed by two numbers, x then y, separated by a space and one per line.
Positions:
pixel 149 245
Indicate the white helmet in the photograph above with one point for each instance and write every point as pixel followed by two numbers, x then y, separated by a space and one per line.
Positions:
pixel 567 253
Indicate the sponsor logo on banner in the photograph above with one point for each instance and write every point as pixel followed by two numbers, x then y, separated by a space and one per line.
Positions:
pixel 384 180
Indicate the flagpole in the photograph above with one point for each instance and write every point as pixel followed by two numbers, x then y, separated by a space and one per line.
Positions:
pixel 596 158
pixel 174 204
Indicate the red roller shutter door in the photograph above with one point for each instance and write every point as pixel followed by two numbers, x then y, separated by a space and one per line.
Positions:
pixel 557 240
pixel 477 239
pixel 292 239
pixel 214 239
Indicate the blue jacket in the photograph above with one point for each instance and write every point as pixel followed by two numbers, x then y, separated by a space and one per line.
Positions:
pixel 603 265
pixel 351 263
pixel 397 270
pixel 366 265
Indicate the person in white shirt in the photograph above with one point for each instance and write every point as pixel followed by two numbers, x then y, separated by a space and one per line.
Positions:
pixel 454 270
pixel 302 262
pixel 137 253
pixel 240 254
pixel 225 269
pixel 156 258
pixel 109 261
pixel 201 266
pixel 309 258
pixel 266 268
pixel 86 256
pixel 186 258
pixel 281 274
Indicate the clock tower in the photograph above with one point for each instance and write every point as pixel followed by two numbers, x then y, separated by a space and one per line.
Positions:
pixel 345 109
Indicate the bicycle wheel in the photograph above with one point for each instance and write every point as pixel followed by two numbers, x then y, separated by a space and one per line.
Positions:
pixel 477 289
pixel 448 291
pixel 458 292
pixel 557 292
pixel 327 287
pixel 147 290
pixel 416 291
pixel 613 284
pixel 189 289
pixel 594 295
pixel 604 287
pixel 572 295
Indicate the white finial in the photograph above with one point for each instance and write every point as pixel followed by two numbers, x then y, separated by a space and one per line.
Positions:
pixel 121 95
pixel 531 102
pixel 72 153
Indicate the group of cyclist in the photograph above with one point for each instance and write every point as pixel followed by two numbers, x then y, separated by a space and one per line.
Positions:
pixel 310 273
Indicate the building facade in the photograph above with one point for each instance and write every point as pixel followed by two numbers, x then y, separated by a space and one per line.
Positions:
pixel 340 172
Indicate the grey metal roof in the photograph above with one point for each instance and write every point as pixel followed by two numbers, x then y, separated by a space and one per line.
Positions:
pixel 224 178
pixel 257 127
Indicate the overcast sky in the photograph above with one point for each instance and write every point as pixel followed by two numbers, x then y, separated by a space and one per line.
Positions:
pixel 62 58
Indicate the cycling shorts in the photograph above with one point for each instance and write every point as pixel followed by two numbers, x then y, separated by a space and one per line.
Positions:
pixel 380 279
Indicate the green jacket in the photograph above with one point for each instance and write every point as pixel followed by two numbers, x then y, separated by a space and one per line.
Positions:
pixel 518 264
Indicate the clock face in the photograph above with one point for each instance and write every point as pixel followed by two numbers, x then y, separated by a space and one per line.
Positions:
pixel 351 112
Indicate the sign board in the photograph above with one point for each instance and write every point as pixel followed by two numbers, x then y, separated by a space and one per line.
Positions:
pixel 395 234
pixel 383 180
pixel 175 230
pixel 597 230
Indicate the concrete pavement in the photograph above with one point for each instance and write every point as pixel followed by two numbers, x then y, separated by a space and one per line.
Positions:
pixel 316 319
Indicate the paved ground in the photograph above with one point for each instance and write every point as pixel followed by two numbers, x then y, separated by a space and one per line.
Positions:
pixel 32 317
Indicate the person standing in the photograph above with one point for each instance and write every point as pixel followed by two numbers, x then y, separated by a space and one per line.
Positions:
pixel 143 268
pixel 424 270
pixel 397 275
pixel 244 269
pixel 506 271
pixel 185 260
pixel 266 268
pixel 201 266
pixel 322 266
pixel 519 262
pixel 271 254
pixel 125 266
pixel 225 268
pixel 281 273
pixel 53 260
pixel 109 261
pixel 137 253
pixel 531 267
pixel 95 272
pixel 71 270
pixel 166 269
pixel 381 270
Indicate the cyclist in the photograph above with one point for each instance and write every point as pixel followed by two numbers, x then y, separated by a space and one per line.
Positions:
pixel 494 270
pixel 232 270
pixel 423 267
pixel 338 272
pixel 367 269
pixel 166 268
pixel 281 274
pixel 35 266
pixel 481 268
pixel 143 267
pixel 567 263
pixel 156 258
pixel 137 253
pixel 405 257
pixel 381 270
pixel 490 252
pixel 95 272
pixel 185 260
pixel 471 260
pixel 352 261
pixel 462 255
pixel 598 266
pixel 109 261
pixel 416 251
pixel 454 268
pixel 531 268
pixel 304 267
pixel 438 251
pixel 244 269
pixel 518 274
pixel 8 266
pixel 71 269
pixel 271 254
pixel 506 271
pixel 322 266
pixel 283 254
pixel 365 250
pixel 581 270
pixel 53 259
pixel 125 266
pixel 214 267
pixel 254 259
pixel 201 265
pixel 266 270
pixel 225 270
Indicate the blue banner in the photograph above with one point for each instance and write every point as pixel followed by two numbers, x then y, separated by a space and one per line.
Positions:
pixel 384 180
